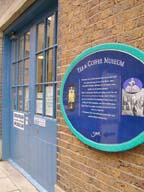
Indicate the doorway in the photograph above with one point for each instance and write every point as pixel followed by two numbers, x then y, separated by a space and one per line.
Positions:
pixel 30 76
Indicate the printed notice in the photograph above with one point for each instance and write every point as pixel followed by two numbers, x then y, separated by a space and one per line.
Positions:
pixel 18 120
pixel 100 97
pixel 39 121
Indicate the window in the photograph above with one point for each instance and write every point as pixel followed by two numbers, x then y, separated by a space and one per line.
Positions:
pixel 20 72
pixel 46 67
pixel 44 49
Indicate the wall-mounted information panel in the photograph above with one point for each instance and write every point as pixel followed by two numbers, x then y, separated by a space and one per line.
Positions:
pixel 102 97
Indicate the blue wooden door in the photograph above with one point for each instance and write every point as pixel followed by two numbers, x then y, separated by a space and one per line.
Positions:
pixel 33 106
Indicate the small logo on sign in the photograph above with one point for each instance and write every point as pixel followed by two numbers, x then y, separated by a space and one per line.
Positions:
pixel 95 133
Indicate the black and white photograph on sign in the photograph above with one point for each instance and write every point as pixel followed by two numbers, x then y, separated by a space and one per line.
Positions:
pixel 133 98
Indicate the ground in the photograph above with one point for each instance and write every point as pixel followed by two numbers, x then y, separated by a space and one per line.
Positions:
pixel 13 181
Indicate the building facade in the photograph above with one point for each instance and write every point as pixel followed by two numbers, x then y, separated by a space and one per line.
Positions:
pixel 39 40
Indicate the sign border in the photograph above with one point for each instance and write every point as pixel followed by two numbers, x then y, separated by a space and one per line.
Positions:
pixel 135 52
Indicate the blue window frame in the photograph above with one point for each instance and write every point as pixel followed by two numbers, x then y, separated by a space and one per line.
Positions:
pixel 45 66
pixel 46 49
pixel 20 72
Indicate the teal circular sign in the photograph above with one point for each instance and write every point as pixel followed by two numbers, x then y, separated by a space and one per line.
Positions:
pixel 102 97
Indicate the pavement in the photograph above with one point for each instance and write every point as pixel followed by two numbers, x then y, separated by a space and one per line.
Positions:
pixel 12 180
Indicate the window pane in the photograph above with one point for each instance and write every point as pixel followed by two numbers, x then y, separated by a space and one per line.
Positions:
pixel 27 44
pixel 21 47
pixel 14 74
pixel 26 99
pixel 39 100
pixel 49 65
pixel 40 38
pixel 49 100
pixel 14 50
pixel 20 73
pixel 50 31
pixel 40 60
pixel 20 99
pixel 26 72
pixel 14 96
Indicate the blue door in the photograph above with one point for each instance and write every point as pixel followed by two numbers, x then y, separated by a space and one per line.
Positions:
pixel 32 133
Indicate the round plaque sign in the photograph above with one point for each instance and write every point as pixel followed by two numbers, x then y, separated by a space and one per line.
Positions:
pixel 102 97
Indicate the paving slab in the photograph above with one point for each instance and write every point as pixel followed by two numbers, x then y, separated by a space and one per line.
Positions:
pixel 7 185
pixel 2 173
pixel 11 180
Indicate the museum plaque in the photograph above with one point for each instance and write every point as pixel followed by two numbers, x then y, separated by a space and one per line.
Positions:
pixel 102 97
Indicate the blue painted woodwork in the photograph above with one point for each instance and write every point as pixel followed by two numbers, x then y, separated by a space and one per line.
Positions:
pixel 33 150
pixel 6 98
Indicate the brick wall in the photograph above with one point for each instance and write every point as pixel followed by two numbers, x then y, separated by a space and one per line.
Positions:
pixel 82 24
